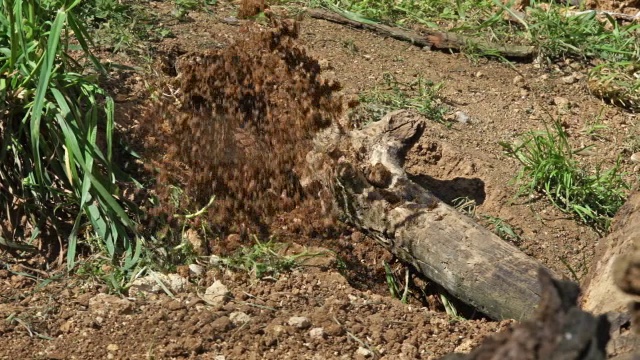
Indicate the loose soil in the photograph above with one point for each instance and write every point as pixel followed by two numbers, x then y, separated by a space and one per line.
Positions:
pixel 350 313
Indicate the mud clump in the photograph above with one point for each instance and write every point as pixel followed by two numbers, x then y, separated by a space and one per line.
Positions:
pixel 250 8
pixel 238 128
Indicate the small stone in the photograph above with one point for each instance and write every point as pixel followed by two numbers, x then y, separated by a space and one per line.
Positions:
pixel 215 260
pixel 518 81
pixel 221 324
pixel 561 102
pixel 479 74
pixel 635 157
pixel 364 352
pixel 103 304
pixel 177 283
pixel 66 326
pixel 461 117
pixel 149 284
pixel 299 322
pixel 113 347
pixel 196 269
pixel 220 357
pixel 217 294
pixel 316 333
pixel 174 305
pixel 367 57
pixel 334 330
pixel 569 79
pixel 239 318
pixel 276 330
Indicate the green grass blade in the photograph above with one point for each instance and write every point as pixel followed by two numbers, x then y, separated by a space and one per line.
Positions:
pixel 43 82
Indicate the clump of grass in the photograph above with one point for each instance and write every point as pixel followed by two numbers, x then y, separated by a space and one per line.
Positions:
pixel 122 25
pixel 265 259
pixel 420 95
pixel 503 229
pixel 394 284
pixel 549 167
pixel 57 168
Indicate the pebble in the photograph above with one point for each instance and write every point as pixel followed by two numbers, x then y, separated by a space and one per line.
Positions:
pixel 239 318
pixel 113 347
pixel 316 332
pixel 461 117
pixel 569 79
pixel 364 352
pixel 518 81
pixel 299 322
pixel 561 101
pixel 216 294
pixel 635 157
pixel 196 269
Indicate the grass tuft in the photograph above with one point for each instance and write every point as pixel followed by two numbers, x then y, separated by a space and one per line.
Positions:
pixel 57 168
pixel 549 167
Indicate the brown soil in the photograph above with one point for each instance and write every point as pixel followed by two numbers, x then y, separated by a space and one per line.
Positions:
pixel 68 318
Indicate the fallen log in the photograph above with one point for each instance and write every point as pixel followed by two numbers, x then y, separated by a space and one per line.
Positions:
pixel 432 39
pixel 375 194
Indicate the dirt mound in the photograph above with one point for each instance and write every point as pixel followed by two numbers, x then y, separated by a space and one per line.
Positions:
pixel 239 124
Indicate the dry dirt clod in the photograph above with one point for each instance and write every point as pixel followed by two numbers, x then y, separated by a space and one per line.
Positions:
pixel 239 318
pixel 104 304
pixel 299 322
pixel 229 134
pixel 316 333
pixel 217 294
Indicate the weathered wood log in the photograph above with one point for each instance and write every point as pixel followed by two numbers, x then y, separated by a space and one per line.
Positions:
pixel 433 39
pixel 473 264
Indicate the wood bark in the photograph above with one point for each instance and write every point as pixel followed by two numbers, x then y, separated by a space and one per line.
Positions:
pixel 448 247
pixel 609 286
pixel 433 39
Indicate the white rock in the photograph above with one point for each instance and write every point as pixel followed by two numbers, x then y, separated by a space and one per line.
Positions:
pixel 196 269
pixel 113 347
pixel 299 322
pixel 461 117
pixel 316 332
pixel 364 352
pixel 177 283
pixel 635 158
pixel 216 294
pixel 239 318
pixel 569 79
pixel 149 284
pixel 215 260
